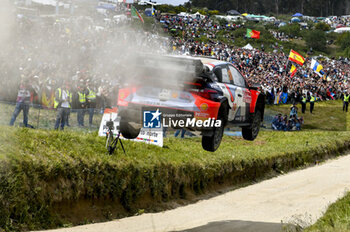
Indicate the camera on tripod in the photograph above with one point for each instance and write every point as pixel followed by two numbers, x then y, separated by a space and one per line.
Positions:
pixel 110 125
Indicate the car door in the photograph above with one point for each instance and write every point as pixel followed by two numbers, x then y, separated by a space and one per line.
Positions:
pixel 229 90
pixel 242 95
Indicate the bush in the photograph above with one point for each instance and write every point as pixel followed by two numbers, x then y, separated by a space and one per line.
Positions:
pixel 332 36
pixel 316 40
pixel 347 52
pixel 223 22
pixel 240 33
pixel 213 12
pixel 344 40
pixel 322 26
pixel 291 29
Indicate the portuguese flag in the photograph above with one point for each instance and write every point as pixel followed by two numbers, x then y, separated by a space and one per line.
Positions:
pixel 136 14
pixel 253 34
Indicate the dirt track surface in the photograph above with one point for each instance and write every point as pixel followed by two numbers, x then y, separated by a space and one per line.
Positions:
pixel 298 196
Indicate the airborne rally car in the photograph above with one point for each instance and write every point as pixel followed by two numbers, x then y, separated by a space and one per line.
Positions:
pixel 201 94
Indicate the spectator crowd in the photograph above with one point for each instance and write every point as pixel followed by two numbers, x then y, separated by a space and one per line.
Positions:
pixel 85 53
pixel 81 53
pixel 271 70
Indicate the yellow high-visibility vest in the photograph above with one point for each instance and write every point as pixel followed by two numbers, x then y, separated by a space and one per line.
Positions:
pixel 82 97
pixel 56 102
pixel 303 100
pixel 312 99
pixel 346 98
pixel 91 95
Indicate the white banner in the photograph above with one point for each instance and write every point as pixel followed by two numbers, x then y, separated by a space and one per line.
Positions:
pixel 149 136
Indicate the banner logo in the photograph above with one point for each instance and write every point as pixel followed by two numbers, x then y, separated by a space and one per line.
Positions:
pixel 151 119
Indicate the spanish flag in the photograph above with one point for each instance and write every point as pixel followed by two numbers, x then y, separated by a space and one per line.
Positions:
pixel 296 57
pixel 253 34
pixel 293 70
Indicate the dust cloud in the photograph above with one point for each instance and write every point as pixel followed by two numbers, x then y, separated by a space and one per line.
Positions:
pixel 108 51
pixel 6 23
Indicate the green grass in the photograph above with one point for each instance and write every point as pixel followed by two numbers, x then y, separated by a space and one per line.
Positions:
pixel 46 175
pixel 41 169
pixel 327 115
pixel 336 218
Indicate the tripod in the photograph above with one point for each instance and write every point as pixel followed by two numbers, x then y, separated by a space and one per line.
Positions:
pixel 111 142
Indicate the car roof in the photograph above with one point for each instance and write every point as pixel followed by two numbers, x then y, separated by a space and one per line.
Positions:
pixel 207 61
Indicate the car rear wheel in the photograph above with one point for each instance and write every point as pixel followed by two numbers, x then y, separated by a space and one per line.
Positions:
pixel 129 130
pixel 250 133
pixel 212 142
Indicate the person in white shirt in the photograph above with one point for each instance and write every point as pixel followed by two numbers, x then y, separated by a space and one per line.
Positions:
pixel 63 100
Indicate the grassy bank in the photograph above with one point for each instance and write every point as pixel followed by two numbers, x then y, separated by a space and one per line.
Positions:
pixel 337 217
pixel 327 115
pixel 53 173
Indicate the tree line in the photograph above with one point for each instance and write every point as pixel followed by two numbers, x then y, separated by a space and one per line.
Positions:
pixel 320 8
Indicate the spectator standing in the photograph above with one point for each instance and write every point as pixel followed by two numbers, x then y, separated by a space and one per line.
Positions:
pixel 63 100
pixel 312 103
pixel 346 101
pixel 91 101
pixel 183 132
pixel 22 103
pixel 81 105
pixel 303 104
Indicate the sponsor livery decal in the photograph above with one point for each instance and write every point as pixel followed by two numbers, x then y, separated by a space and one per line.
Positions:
pixel 247 98
pixel 254 96
pixel 228 89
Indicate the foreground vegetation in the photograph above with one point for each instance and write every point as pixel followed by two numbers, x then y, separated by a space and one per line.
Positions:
pixel 337 217
pixel 53 173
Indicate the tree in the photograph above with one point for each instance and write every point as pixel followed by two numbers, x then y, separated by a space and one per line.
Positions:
pixel 307 7
pixel 316 40
pixel 277 6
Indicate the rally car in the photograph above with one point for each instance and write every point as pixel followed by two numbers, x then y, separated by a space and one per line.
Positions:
pixel 203 88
